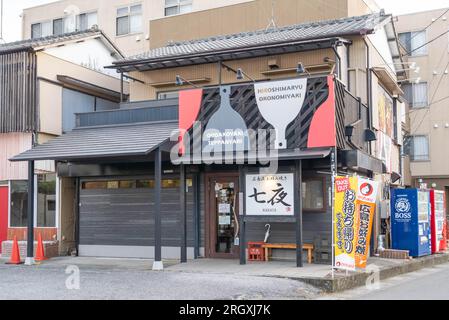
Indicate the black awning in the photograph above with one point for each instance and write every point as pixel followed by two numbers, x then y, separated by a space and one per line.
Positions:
pixel 102 142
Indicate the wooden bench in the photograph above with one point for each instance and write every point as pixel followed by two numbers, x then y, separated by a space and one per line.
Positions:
pixel 270 246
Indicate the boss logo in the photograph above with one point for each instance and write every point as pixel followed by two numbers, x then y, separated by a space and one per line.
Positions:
pixel 403 216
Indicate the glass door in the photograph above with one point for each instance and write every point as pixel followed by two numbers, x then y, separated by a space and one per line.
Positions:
pixel 223 217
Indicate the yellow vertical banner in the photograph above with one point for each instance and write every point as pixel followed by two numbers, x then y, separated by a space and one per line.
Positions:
pixel 345 222
pixel 366 207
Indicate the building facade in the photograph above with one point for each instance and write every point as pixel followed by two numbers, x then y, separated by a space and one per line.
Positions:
pixel 44 83
pixel 427 95
pixel 136 26
pixel 125 22
pixel 132 200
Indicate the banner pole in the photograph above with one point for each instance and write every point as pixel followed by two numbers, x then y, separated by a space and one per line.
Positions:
pixel 334 174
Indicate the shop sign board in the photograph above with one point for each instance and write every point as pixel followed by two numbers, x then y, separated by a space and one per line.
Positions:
pixel 270 195
pixel 354 208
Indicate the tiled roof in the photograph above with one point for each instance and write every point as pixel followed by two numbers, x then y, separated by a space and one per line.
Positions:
pixel 100 142
pixel 306 31
pixel 30 44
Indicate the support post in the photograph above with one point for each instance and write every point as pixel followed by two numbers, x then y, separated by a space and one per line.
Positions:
pixel 183 214
pixel 196 214
pixel 242 214
pixel 29 261
pixel 299 220
pixel 121 87
pixel 158 265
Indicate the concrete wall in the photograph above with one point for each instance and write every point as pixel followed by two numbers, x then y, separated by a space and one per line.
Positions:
pixel 423 120
pixel 250 16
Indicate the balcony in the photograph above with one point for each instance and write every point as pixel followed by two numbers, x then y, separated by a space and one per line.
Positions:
pixel 131 112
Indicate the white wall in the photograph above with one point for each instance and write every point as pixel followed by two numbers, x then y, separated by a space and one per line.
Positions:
pixel 91 53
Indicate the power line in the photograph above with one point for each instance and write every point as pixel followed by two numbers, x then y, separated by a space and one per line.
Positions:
pixel 430 24
pixel 427 43
pixel 432 101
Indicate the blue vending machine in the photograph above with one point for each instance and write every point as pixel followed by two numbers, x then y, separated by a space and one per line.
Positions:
pixel 410 221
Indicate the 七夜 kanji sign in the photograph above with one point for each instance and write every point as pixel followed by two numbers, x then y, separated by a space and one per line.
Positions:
pixel 270 195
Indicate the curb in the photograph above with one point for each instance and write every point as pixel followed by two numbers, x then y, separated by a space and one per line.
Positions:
pixel 357 280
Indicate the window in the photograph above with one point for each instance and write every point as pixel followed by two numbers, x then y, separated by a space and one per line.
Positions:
pixel 416 94
pixel 129 20
pixel 419 148
pixel 46 201
pixel 58 27
pixel 43 29
pixel 168 95
pixel 414 42
pixel 76 102
pixel 313 194
pixel 86 21
pixel 133 184
pixel 173 7
pixel 19 204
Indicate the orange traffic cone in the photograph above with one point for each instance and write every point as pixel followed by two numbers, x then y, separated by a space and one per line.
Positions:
pixel 15 255
pixel 40 254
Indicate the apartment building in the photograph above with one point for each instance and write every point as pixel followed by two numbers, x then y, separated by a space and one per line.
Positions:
pixel 126 22
pixel 424 37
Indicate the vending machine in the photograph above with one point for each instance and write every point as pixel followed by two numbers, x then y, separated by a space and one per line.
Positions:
pixel 438 221
pixel 410 221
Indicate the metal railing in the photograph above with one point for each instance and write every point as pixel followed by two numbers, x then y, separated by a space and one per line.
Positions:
pixel 131 112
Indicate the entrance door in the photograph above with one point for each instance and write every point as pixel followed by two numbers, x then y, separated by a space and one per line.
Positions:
pixel 222 223
pixel 3 215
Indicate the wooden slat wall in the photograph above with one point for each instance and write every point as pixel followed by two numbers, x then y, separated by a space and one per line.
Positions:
pixel 18 94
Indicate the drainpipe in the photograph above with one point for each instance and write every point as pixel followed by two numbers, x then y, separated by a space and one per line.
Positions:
pixel 369 89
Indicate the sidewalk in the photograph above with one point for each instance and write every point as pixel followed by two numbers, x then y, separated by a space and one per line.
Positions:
pixel 320 276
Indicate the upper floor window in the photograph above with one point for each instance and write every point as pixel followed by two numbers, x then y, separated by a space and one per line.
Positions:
pixel 419 148
pixel 173 7
pixel 86 21
pixel 416 94
pixel 168 95
pixel 414 42
pixel 42 29
pixel 129 20
pixel 67 24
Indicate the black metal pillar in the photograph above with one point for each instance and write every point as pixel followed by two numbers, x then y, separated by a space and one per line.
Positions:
pixel 196 213
pixel 242 214
pixel 121 87
pixel 299 220
pixel 158 265
pixel 30 215
pixel 183 213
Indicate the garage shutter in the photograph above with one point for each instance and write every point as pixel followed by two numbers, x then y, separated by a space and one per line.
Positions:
pixel 119 213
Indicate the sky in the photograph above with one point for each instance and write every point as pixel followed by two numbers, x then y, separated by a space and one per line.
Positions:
pixel 13 8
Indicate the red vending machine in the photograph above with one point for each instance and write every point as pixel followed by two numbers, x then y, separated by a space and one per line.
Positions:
pixel 438 221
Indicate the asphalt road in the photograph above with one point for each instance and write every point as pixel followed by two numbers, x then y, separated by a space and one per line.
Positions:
pixel 426 284
pixel 38 283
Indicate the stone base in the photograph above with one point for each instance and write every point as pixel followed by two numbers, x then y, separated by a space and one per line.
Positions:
pixel 51 249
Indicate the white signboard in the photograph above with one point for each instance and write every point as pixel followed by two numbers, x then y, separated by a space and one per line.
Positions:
pixel 270 195
pixel 280 102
